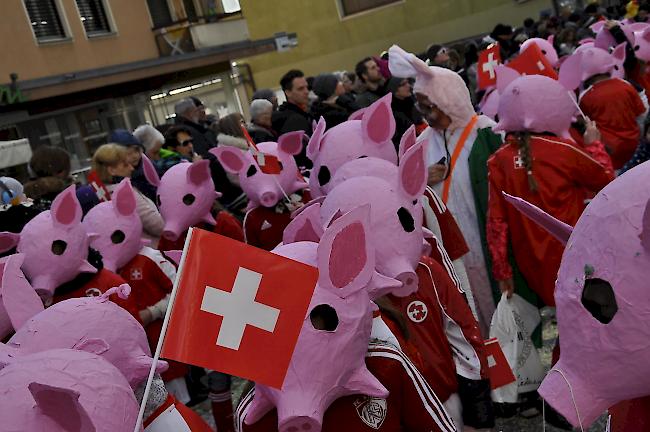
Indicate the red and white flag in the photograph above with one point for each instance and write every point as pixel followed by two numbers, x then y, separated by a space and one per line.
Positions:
pixel 488 60
pixel 268 164
pixel 238 309
pixel 533 62
pixel 499 370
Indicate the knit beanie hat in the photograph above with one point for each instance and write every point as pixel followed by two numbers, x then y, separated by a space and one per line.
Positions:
pixel 325 85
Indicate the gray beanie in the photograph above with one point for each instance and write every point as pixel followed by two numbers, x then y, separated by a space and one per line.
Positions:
pixel 325 85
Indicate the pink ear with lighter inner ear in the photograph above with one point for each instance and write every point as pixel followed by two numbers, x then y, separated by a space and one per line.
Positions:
pixel 316 138
pixel 231 159
pixel 66 210
pixel 407 141
pixel 199 172
pixel 505 76
pixel 377 122
pixel 413 172
pixel 346 258
pixel 150 172
pixel 291 143
pixel 306 226
pixel 124 199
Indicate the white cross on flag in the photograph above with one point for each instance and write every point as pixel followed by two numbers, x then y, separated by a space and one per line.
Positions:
pixel 488 60
pixel 237 309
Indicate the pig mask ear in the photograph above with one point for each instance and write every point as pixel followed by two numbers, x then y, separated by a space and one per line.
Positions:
pixel 306 226
pixel 66 210
pixel 378 123
pixel 231 159
pixel 313 148
pixel 291 143
pixel 8 241
pixel 62 406
pixel 619 51
pixel 505 76
pixel 346 256
pixel 413 172
pixel 554 227
pixel 407 141
pixel 199 172
pixel 18 296
pixel 150 172
pixel 571 72
pixel 357 115
pixel 124 199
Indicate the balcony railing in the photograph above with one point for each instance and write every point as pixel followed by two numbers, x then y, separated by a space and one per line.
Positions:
pixel 203 32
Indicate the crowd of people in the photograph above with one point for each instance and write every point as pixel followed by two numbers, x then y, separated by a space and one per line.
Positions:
pixel 406 151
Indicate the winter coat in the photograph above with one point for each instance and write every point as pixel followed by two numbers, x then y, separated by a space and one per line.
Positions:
pixel 261 134
pixel 290 117
pixel 331 112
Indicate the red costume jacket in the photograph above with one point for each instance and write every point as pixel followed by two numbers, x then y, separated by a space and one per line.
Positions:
pixel 411 405
pixel 615 105
pixel 452 237
pixel 264 226
pixel 566 177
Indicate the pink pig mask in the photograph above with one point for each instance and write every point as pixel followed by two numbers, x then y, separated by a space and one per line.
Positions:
pixel 642 43
pixel 371 136
pixel 524 103
pixel 92 324
pixel 16 296
pixel 545 46
pixel 265 189
pixel 335 332
pixel 65 390
pixel 395 216
pixel 54 245
pixel 602 300
pixel 589 61
pixel 185 196
pixel 117 226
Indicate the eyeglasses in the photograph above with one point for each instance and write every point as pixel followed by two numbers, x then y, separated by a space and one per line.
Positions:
pixel 186 142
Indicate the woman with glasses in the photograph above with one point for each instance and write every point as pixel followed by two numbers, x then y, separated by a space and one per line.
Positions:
pixel 178 147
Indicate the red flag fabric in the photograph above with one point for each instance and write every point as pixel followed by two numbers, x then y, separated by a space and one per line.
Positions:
pixel 488 60
pixel 499 369
pixel 533 62
pixel 268 164
pixel 238 309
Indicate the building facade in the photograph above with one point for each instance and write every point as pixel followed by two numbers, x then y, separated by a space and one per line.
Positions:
pixel 335 34
pixel 73 70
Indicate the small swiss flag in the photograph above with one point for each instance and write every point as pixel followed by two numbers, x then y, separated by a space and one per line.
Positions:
pixel 499 370
pixel 488 60
pixel 238 309
pixel 533 62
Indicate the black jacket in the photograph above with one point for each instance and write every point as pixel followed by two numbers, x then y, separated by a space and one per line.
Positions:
pixel 203 141
pixel 261 134
pixel 332 113
pixel 290 117
pixel 406 114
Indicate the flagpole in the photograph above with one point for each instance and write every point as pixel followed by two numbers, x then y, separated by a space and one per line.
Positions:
pixel 163 331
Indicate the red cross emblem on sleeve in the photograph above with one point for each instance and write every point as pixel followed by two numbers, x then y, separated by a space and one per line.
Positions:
pixel 238 309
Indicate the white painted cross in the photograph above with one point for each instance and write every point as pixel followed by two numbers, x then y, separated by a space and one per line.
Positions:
pixel 519 162
pixel 239 308
pixel 490 65
pixel 540 65
pixel 99 191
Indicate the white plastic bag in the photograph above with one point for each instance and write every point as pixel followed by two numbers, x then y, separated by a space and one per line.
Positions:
pixel 529 370
pixel 504 328
pixel 512 324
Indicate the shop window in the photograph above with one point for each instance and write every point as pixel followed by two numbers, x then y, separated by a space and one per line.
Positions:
pixel 45 19
pixel 351 7
pixel 94 17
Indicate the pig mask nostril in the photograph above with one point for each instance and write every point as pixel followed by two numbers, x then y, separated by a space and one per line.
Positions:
pixel 324 317
pixel 599 299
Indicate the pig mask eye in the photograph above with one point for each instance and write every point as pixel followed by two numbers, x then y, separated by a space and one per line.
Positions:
pixel 324 175
pixel 406 220
pixel 59 247
pixel 117 237
pixel 188 199
pixel 251 171
pixel 599 299
pixel 323 317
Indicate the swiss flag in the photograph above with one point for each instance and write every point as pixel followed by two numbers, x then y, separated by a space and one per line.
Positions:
pixel 533 62
pixel 488 60
pixel 238 309
pixel 267 163
pixel 499 370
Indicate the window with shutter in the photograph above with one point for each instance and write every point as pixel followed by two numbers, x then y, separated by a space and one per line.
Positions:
pixel 45 20
pixel 93 17
pixel 350 7
pixel 160 14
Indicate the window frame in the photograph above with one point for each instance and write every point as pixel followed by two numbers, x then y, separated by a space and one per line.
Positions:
pixel 341 10
pixel 110 20
pixel 60 10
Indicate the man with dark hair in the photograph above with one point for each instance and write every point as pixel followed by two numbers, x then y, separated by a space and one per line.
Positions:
pixel 293 114
pixel 368 72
